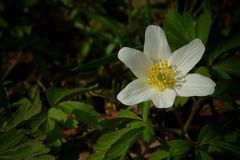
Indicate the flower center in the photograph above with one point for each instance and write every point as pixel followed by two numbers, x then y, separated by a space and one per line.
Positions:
pixel 161 75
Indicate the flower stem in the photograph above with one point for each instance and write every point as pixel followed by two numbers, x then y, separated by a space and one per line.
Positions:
pixel 190 118
pixel 178 117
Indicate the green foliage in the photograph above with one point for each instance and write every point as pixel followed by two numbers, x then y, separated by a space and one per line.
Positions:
pixel 16 143
pixel 228 43
pixel 179 29
pixel 215 139
pixel 228 66
pixel 115 144
pixel 55 95
pixel 176 149
pixel 201 155
pixel 203 25
pixel 26 109
pixel 66 113
pixel 203 71
pixel 96 62
pixel 180 101
pixel 128 114
pixel 83 112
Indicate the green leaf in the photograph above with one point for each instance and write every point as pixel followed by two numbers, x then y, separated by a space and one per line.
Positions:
pixel 115 144
pixel 83 112
pixel 201 155
pixel 48 125
pixel 26 110
pixel 203 71
pixel 37 121
pixel 55 95
pixel 203 25
pixel 180 148
pixel 15 145
pixel 121 147
pixel 227 87
pixel 55 137
pixel 177 150
pixel 180 101
pixel 228 44
pixel 148 131
pixel 43 157
pixel 96 63
pixel 228 147
pixel 209 133
pixel 71 123
pixel 123 113
pixel 220 74
pixel 160 155
pixel 179 28
pixel 58 115
pixel 230 65
pixel 11 139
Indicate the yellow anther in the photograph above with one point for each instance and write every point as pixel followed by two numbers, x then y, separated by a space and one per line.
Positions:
pixel 161 76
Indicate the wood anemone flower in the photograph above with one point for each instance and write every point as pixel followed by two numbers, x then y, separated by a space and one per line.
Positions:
pixel 163 75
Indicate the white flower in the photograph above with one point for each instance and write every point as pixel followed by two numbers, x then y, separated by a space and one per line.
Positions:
pixel 161 75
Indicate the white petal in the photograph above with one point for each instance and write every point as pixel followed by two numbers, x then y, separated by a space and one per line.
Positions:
pixel 156 45
pixel 196 85
pixel 136 61
pixel 135 92
pixel 187 56
pixel 164 99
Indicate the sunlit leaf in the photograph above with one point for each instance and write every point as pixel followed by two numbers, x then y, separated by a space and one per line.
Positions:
pixel 127 114
pixel 115 144
pixel 83 112
pixel 57 114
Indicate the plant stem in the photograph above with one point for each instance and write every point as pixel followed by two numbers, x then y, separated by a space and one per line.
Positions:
pixel 179 118
pixel 190 118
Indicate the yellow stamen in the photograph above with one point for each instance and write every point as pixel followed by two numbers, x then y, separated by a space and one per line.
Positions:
pixel 162 75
